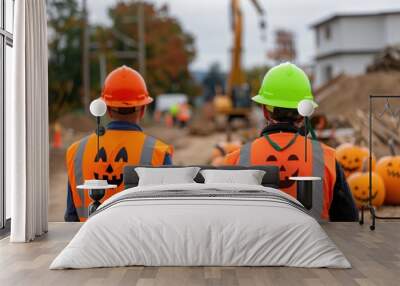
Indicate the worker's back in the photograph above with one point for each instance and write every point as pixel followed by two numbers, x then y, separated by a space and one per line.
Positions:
pixel 126 97
pixel 118 147
pixel 286 96
pixel 291 162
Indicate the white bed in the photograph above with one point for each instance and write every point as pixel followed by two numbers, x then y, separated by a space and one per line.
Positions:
pixel 248 226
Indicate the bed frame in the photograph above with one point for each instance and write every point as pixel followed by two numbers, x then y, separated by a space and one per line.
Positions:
pixel 270 179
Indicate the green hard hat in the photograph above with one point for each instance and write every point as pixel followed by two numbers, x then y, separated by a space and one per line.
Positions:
pixel 174 109
pixel 284 86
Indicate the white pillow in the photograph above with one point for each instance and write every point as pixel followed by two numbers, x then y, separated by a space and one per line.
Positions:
pixel 247 177
pixel 166 176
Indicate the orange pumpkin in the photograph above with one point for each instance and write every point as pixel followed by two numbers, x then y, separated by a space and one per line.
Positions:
pixel 389 169
pixel 352 158
pixel 218 161
pixel 221 149
pixel 359 186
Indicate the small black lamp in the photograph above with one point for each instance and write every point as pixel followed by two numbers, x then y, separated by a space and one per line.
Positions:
pixel 305 108
pixel 305 184
pixel 97 188
pixel 98 108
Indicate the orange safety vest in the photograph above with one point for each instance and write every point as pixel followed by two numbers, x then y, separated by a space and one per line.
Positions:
pixel 291 162
pixel 117 149
pixel 184 112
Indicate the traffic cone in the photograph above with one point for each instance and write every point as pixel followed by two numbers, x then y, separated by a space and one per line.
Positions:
pixel 57 138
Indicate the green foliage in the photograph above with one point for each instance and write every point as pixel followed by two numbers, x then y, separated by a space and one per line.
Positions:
pixel 65 29
pixel 169 51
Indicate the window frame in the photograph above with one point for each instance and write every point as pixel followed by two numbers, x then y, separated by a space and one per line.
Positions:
pixel 328 32
pixel 6 39
pixel 328 72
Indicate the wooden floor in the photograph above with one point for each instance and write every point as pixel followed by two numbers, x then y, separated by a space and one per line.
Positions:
pixel 375 257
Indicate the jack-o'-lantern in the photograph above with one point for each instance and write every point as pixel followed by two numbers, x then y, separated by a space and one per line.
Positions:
pixel 290 168
pixel 110 166
pixel 352 158
pixel 359 186
pixel 389 169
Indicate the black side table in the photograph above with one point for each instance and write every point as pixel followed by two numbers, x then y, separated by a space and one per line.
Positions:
pixel 305 190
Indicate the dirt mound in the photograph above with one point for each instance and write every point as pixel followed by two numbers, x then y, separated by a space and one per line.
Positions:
pixel 79 122
pixel 387 60
pixel 348 93
pixel 346 100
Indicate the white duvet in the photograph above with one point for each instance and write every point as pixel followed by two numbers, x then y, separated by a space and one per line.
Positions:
pixel 200 231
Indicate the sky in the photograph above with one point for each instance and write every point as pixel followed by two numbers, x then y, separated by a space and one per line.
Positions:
pixel 208 22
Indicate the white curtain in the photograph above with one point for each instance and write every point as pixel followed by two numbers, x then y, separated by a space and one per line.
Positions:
pixel 27 147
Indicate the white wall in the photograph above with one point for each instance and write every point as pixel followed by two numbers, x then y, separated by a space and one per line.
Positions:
pixel 347 64
pixel 362 33
pixel 335 41
pixel 392 29
pixel 352 35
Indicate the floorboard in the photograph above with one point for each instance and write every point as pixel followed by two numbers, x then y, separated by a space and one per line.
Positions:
pixel 375 257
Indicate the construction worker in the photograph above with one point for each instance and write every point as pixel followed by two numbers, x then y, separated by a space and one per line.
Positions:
pixel 123 142
pixel 173 112
pixel 184 114
pixel 282 143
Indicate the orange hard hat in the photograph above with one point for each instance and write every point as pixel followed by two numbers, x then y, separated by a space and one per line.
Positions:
pixel 125 87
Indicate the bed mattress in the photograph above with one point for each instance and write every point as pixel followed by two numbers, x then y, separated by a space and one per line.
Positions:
pixel 201 225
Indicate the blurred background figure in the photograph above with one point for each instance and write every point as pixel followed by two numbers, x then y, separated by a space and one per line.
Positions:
pixel 183 115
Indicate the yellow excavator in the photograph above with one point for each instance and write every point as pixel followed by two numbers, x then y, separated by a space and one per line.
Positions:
pixel 236 102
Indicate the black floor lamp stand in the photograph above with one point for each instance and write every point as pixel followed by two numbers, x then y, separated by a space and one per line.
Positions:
pixel 370 207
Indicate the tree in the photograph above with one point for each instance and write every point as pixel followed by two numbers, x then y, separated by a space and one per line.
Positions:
pixel 65 29
pixel 169 49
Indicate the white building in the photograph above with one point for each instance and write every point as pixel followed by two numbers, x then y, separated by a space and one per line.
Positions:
pixel 347 43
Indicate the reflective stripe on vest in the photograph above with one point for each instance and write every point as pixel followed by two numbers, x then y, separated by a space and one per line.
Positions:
pixel 245 155
pixel 147 152
pixel 318 171
pixel 78 162
pixel 318 186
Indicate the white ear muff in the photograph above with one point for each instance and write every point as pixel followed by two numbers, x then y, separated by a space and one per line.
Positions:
pixel 305 108
pixel 98 107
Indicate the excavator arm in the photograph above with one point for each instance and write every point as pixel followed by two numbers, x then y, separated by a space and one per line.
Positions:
pixel 261 12
pixel 236 76
pixel 258 7
pixel 237 102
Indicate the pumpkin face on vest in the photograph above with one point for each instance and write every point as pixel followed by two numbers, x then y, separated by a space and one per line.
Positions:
pixel 286 170
pixel 359 186
pixel 110 166
pixel 389 169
